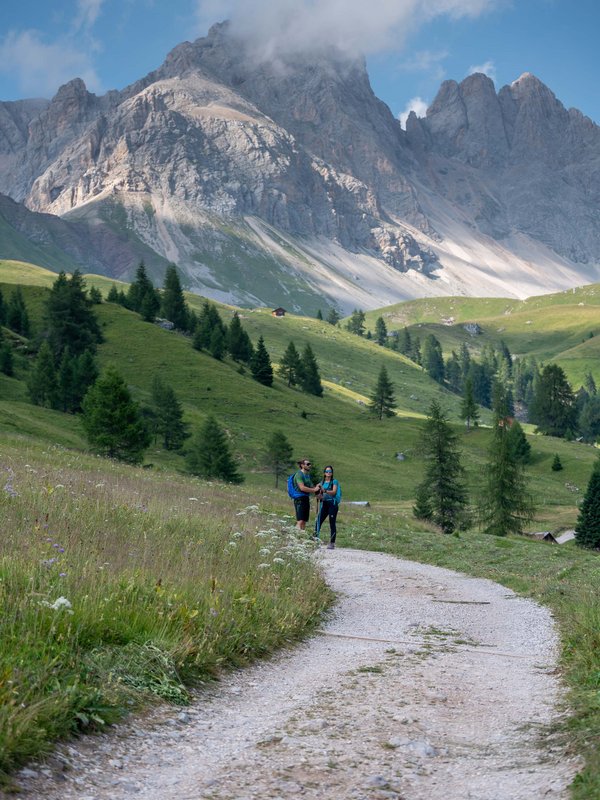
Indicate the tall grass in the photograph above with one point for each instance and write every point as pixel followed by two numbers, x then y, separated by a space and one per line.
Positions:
pixel 564 577
pixel 117 586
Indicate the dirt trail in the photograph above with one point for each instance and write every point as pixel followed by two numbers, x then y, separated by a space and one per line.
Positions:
pixel 424 684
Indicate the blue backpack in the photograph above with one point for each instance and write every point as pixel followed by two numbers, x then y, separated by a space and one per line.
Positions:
pixel 293 490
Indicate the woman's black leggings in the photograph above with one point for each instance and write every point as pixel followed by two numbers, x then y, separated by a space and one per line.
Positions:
pixel 329 510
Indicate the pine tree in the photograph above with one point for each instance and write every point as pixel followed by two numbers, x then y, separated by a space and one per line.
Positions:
pixel 380 331
pixel 441 496
pixel 260 366
pixel 309 377
pixel 588 382
pixel 289 366
pixel 168 415
pixel 553 409
pixel 66 382
pixel 85 375
pixel 113 421
pixel 505 505
pixel 113 294
pixel 468 409
pixel 556 463
pixel 95 296
pixel 209 455
pixel 69 318
pixel 383 401
pixel 278 455
pixel 405 345
pixel 587 529
pixel 7 366
pixel 333 316
pixel 433 361
pixel 356 323
pixel 452 373
pixel 218 343
pixel 238 342
pixel 319 314
pixel 17 318
pixel 139 289
pixel 208 320
pixel 422 508
pixel 43 383
pixel 173 305
pixel 519 447
pixel 464 359
pixel 589 419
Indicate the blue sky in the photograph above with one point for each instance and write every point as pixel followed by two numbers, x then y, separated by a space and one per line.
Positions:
pixel 411 45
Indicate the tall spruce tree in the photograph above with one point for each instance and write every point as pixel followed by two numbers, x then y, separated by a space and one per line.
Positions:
pixel 278 455
pixel 383 401
pixel 168 415
pixel 441 496
pixel 208 321
pixel 17 317
pixel 173 306
pixel 260 366
pixel 239 345
pixel 505 505
pixel 517 442
pixel 209 454
pixel 289 366
pixel 310 379
pixel 142 290
pixel 553 409
pixel 42 383
pixel 113 421
pixel 587 529
pixel 356 323
pixel 433 360
pixel 333 316
pixel 69 318
pixel 468 409
pixel 380 331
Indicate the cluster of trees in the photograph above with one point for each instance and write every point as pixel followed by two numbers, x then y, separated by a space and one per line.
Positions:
pixel 13 315
pixel 65 366
pixel 504 504
pixel 301 369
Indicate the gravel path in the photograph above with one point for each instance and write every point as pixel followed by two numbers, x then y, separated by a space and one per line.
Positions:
pixel 424 684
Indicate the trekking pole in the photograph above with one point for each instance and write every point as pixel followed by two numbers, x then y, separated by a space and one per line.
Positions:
pixel 318 523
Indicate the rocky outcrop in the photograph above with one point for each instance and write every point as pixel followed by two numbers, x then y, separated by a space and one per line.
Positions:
pixel 191 161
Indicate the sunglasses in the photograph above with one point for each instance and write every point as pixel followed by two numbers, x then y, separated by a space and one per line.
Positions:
pixel 328 471
pixel 307 464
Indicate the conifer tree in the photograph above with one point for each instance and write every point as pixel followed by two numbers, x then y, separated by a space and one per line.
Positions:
pixel 464 359
pixel 95 296
pixel 17 318
pixel 209 455
pixel 589 419
pixel 587 529
pixel 208 320
pixel 333 316
pixel 260 366
pixel 139 288
pixel 113 421
pixel 356 323
pixel 66 382
pixel 69 318
pixel 168 415
pixel 2 309
pixel 505 505
pixel 452 373
pixel 556 463
pixel 173 305
pixel 422 508
pixel 43 383
pixel 290 366
pixel 468 409
pixel 380 331
pixel 238 342
pixel 310 379
pixel 433 361
pixel 405 345
pixel 113 294
pixel 588 382
pixel 218 342
pixel 7 366
pixel 278 455
pixel 85 374
pixel 553 409
pixel 519 447
pixel 442 490
pixel 319 314
pixel 383 401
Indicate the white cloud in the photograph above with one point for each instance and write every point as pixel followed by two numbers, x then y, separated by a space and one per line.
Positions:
pixel 418 105
pixel 488 68
pixel 40 67
pixel 87 14
pixel 354 26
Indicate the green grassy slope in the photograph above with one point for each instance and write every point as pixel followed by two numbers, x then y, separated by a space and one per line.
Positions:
pixel 558 327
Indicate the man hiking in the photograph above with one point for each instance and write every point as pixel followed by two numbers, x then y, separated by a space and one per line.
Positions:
pixel 303 484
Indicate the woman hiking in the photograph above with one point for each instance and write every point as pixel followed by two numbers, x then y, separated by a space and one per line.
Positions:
pixel 330 503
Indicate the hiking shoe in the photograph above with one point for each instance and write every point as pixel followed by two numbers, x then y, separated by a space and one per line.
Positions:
pixel 331 547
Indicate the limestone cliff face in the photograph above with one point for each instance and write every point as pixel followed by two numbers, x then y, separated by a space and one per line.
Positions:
pixel 220 153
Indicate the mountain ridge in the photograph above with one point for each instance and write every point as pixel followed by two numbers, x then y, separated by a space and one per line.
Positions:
pixel 216 158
